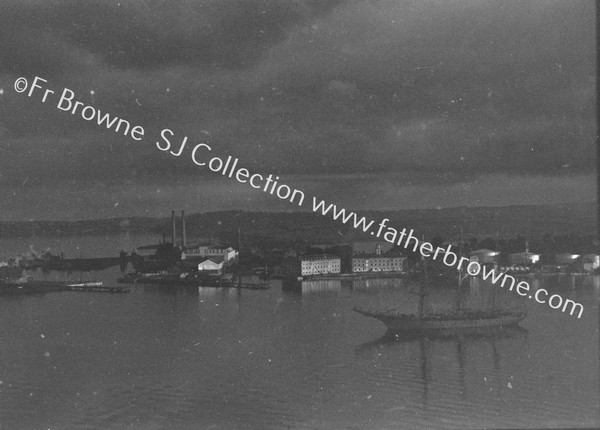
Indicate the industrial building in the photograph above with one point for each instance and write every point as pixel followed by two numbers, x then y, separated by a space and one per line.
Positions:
pixel 227 254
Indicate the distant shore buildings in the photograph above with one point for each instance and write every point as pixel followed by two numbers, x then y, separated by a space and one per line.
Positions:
pixel 320 265
pixel 359 257
pixel 378 263
pixel 210 267
pixel 372 258
pixel 226 254
pixel 371 248
pixel 369 258
pixel 376 257
pixel 590 262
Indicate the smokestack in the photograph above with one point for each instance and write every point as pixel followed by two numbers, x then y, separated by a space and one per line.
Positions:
pixel 182 229
pixel 173 228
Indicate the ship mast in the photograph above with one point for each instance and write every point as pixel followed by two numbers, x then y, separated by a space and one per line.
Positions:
pixel 422 285
pixel 495 266
pixel 460 277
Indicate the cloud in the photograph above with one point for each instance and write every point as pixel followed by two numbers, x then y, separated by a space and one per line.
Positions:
pixel 306 86
pixel 158 33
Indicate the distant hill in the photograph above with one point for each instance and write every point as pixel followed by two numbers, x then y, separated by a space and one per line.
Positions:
pixel 285 227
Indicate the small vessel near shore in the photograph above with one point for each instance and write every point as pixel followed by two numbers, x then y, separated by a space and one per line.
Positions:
pixel 98 287
pixel 28 286
pixel 84 284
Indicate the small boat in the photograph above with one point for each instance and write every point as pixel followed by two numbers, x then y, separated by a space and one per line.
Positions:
pixel 84 284
pixel 97 287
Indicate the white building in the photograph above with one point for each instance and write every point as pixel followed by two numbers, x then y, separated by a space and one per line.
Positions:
pixel 378 263
pixel 227 254
pixel 211 267
pixel 319 264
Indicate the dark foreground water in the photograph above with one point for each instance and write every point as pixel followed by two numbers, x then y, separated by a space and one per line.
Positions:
pixel 159 358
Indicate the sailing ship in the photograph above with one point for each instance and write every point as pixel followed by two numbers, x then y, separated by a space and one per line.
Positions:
pixel 459 320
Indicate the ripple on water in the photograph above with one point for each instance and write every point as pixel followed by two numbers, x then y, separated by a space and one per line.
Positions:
pixel 154 360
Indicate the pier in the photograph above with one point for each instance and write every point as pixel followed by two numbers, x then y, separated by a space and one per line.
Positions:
pixel 98 288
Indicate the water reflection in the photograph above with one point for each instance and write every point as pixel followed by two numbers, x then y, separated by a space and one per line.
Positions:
pixel 333 287
pixel 165 290
pixel 564 282
pixel 164 357
pixel 322 287
pixel 461 353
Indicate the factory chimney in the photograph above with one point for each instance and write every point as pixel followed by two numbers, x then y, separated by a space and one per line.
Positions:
pixel 173 228
pixel 183 230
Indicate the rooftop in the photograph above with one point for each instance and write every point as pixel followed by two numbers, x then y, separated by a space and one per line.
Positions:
pixel 319 257
pixel 381 256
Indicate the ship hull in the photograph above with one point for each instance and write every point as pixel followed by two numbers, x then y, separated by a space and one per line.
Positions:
pixel 467 322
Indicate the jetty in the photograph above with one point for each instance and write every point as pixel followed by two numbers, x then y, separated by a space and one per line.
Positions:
pixel 97 287
pixel 252 285
pixel 28 287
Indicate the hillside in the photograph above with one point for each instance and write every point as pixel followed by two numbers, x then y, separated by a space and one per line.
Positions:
pixel 281 228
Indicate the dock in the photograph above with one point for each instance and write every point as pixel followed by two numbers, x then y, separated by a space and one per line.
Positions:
pixel 354 275
pixel 41 287
pixel 253 286
pixel 98 288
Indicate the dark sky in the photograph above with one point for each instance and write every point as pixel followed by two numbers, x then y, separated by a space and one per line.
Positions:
pixel 303 87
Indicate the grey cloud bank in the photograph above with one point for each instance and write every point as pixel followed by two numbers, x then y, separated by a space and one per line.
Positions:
pixel 305 87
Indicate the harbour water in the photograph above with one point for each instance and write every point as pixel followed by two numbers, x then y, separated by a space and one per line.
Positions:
pixel 163 358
